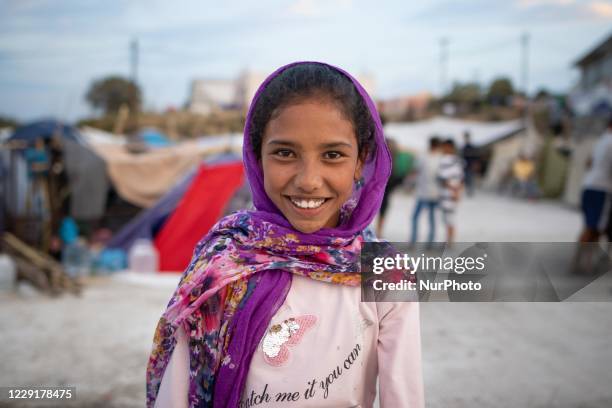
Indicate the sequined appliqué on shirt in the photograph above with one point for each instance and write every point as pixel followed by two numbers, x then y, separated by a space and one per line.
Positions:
pixel 287 333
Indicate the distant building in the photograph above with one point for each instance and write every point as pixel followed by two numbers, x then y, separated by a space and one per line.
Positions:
pixel 413 107
pixel 209 95
pixel 591 101
pixel 246 86
pixel 594 91
pixel 369 83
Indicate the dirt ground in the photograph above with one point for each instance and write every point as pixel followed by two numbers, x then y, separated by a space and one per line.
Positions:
pixel 474 355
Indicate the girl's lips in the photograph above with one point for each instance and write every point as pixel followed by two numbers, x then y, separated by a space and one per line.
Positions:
pixel 307 211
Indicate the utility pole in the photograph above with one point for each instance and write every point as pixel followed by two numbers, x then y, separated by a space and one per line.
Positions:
pixel 134 60
pixel 525 63
pixel 443 64
pixel 476 76
pixel 134 78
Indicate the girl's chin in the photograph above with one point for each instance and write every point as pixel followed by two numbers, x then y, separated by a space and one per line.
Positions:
pixel 306 227
pixel 310 226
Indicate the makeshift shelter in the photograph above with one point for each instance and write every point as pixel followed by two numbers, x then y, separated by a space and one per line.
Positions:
pixel 182 217
pixel 498 142
pixel 150 220
pixel 200 208
pixel 45 129
pixel 45 162
pixel 143 178
pixel 154 138
pixel 415 135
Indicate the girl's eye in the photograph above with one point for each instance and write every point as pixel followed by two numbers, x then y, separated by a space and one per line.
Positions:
pixel 333 155
pixel 284 153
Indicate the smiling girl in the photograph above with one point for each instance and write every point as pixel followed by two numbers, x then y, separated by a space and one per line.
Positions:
pixel 268 313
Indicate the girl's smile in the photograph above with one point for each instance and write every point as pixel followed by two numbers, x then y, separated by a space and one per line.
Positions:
pixel 310 160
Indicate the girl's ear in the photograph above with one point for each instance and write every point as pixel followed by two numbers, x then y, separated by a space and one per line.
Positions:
pixel 359 168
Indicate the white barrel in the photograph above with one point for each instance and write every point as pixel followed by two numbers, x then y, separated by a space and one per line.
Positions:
pixel 143 257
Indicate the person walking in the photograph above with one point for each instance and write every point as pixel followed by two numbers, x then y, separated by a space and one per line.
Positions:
pixel 451 177
pixel 427 190
pixel 471 162
pixel 597 188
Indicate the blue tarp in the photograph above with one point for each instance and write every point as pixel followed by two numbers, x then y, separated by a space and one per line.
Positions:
pixel 45 129
pixel 154 138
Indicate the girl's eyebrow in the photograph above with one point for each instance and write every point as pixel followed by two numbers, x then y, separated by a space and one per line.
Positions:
pixel 336 144
pixel 281 142
pixel 330 145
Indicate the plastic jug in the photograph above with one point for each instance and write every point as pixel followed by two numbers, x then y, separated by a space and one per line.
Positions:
pixel 8 273
pixel 76 259
pixel 142 257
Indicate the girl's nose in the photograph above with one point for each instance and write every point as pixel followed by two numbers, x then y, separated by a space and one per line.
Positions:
pixel 309 178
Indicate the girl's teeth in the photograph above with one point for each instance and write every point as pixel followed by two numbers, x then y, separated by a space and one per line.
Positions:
pixel 308 203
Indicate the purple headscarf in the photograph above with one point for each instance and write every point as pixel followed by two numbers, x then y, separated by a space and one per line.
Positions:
pixel 242 269
pixel 375 174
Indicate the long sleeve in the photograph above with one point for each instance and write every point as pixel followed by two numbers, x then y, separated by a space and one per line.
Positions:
pixel 175 382
pixel 399 356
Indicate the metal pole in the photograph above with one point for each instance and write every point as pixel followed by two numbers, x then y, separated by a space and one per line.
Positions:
pixel 443 64
pixel 134 60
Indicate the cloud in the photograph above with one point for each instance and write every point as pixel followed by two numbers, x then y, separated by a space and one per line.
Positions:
pixel 534 3
pixel 318 8
pixel 601 9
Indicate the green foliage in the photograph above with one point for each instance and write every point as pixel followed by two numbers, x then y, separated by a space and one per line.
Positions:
pixel 106 123
pixel 7 122
pixel 465 93
pixel 111 92
pixel 500 91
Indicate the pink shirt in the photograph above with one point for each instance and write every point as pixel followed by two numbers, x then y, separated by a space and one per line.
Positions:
pixel 337 347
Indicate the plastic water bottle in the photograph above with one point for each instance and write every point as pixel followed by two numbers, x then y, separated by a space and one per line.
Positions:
pixel 142 257
pixel 76 259
pixel 8 273
pixel 110 260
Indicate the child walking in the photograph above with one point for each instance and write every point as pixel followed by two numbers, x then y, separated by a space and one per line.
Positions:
pixel 268 313
pixel 450 176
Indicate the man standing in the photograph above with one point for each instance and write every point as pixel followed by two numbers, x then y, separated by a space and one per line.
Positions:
pixel 470 161
pixel 427 189
pixel 597 188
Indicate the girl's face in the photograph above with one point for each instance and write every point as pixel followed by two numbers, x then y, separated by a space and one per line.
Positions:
pixel 310 160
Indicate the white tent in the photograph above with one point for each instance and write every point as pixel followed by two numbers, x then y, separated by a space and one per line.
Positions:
pixel 415 135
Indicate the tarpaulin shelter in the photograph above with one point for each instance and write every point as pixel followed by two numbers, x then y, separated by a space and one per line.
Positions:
pixel 150 220
pixel 45 129
pixel 200 208
pixel 142 179
pixel 154 138
pixel 45 182
pixel 184 215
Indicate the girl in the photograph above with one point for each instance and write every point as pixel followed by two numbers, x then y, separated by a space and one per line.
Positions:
pixel 268 313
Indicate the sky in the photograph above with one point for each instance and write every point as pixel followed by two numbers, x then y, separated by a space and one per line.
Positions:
pixel 51 51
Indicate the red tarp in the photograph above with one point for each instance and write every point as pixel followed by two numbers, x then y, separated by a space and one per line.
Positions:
pixel 199 209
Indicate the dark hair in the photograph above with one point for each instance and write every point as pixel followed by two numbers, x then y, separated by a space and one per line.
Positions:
pixel 310 80
pixel 434 142
pixel 449 142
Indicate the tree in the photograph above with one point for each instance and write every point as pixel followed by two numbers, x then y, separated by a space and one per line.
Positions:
pixel 111 92
pixel 465 93
pixel 6 121
pixel 466 97
pixel 500 91
pixel 542 94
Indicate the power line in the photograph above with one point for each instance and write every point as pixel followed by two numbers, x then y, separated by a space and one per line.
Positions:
pixel 525 62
